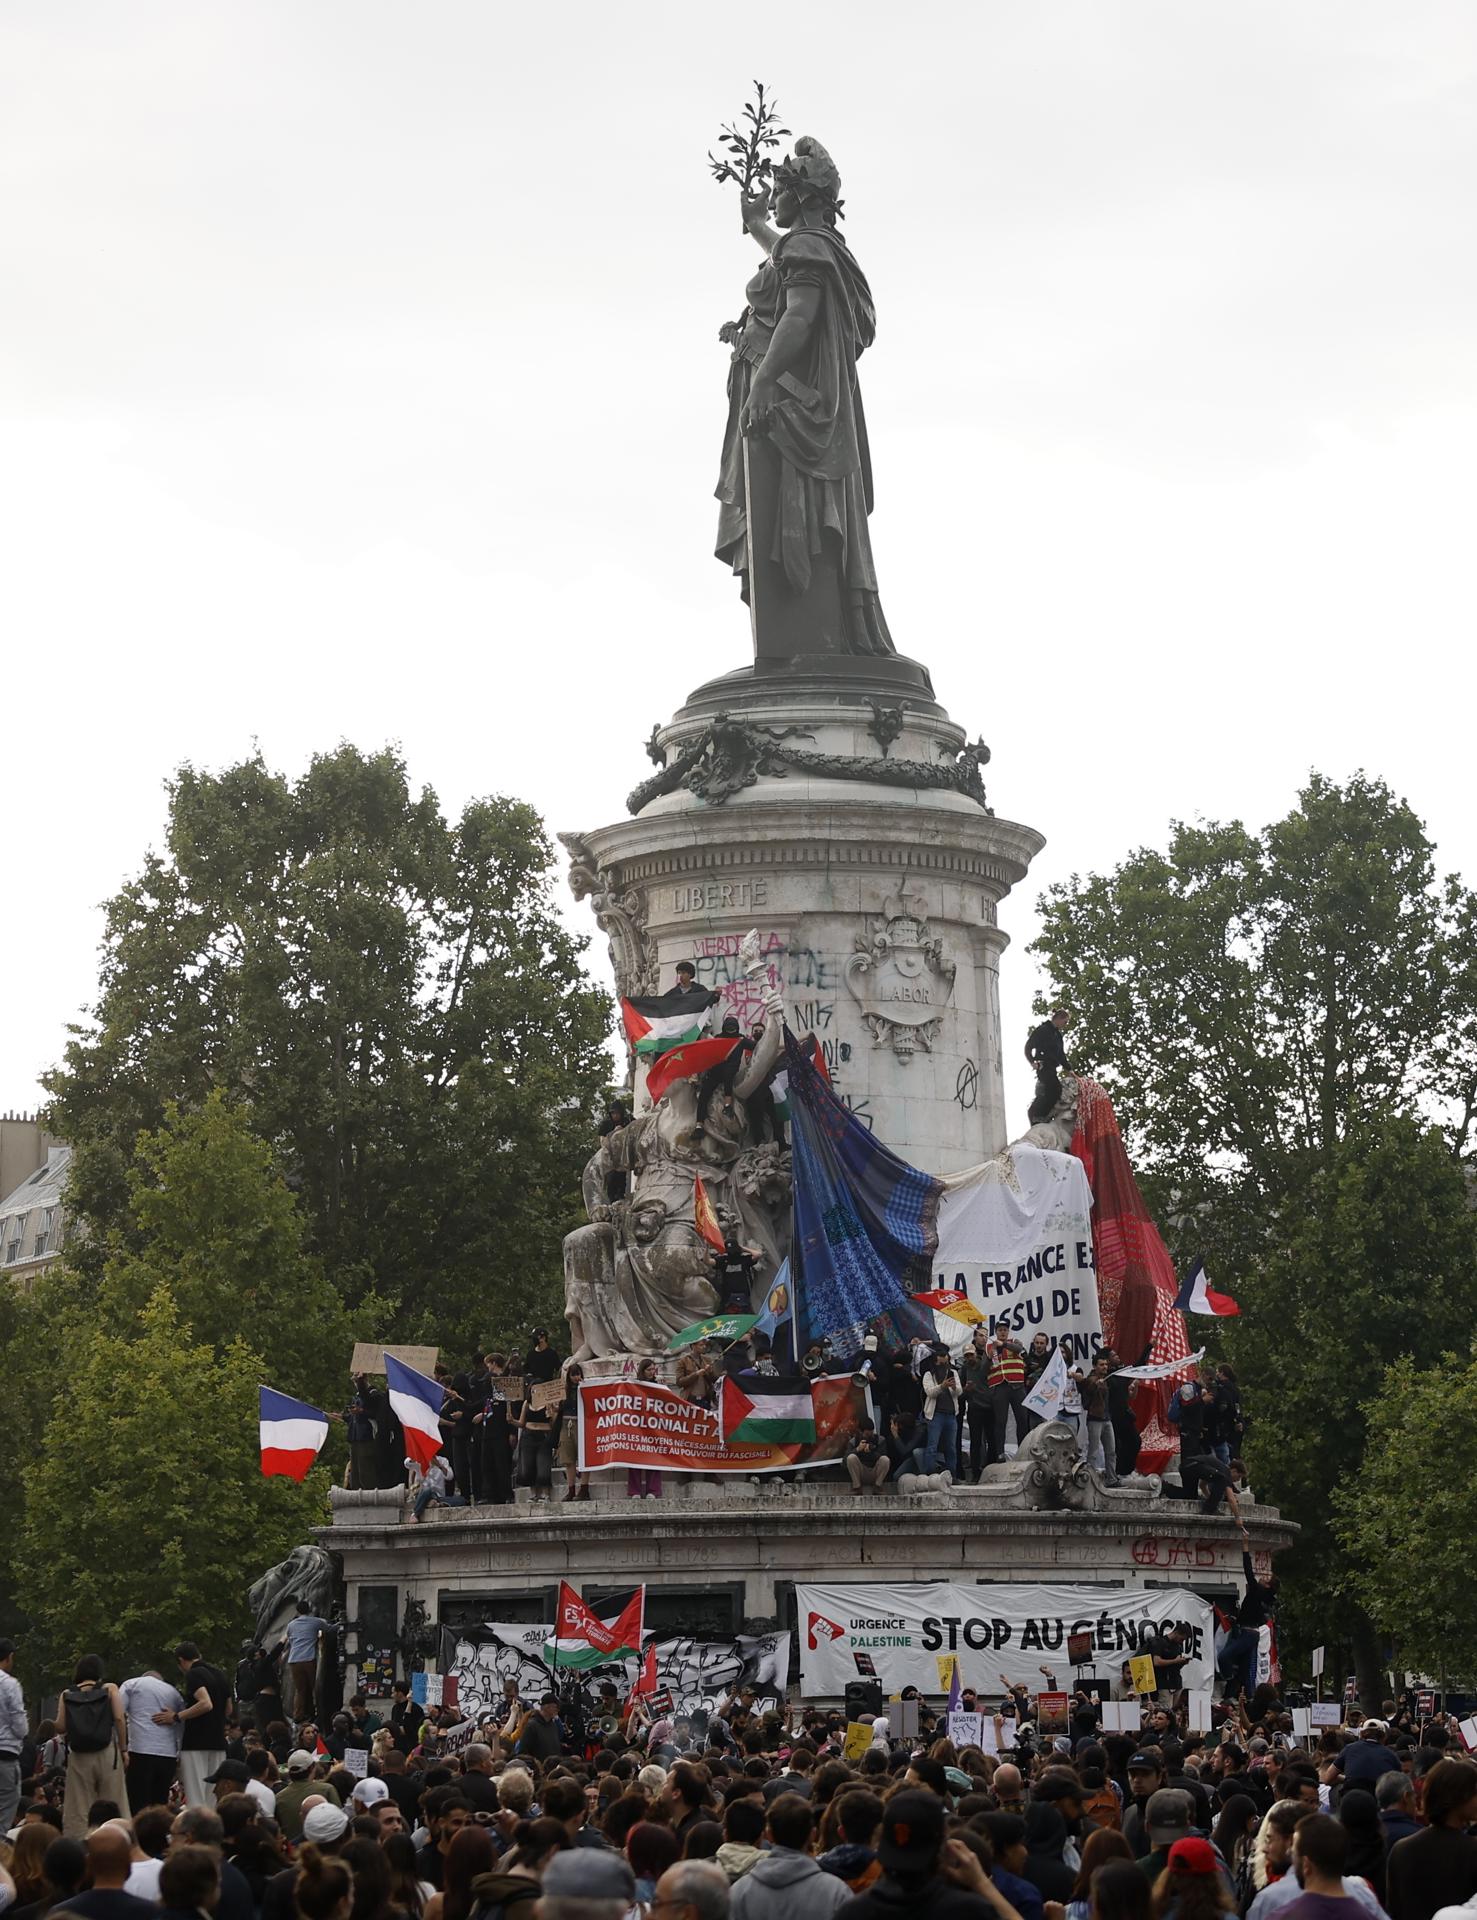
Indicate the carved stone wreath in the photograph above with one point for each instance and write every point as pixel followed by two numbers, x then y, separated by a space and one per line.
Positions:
pixel 729 755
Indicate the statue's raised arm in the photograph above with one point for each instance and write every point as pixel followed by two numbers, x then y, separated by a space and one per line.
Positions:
pixel 796 471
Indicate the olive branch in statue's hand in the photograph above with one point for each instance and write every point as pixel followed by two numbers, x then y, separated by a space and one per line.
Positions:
pixel 749 142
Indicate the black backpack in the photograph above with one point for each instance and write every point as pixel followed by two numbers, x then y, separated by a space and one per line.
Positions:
pixel 89 1719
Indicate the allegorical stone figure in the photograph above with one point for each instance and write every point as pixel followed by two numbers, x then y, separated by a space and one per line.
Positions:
pixel 795 457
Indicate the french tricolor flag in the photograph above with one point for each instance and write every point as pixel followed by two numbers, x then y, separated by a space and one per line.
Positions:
pixel 292 1434
pixel 417 1402
pixel 1198 1296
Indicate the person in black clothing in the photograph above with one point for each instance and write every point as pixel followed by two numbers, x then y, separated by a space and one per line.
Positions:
pixel 923 1872
pixel 733 1277
pixel 717 1081
pixel 1047 1053
pixel 456 1430
pixel 1224 1425
pixel 1120 1416
pixel 764 1120
pixel 617 1115
pixel 1237 1664
pixel 540 1363
pixel 359 1432
pixel 493 1438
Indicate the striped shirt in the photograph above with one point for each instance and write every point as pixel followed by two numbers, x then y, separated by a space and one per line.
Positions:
pixel 1008 1368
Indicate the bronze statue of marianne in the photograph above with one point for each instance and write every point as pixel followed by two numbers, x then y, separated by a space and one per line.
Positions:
pixel 796 484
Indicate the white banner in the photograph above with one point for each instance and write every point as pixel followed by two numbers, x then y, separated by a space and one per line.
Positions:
pixel 912 1633
pixel 698 1672
pixel 1015 1235
pixel 1055 1393
pixel 1160 1369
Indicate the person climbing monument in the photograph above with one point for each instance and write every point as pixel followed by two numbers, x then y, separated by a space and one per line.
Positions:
pixel 1047 1053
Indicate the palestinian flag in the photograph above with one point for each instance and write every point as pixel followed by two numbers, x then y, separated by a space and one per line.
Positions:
pixel 686 1058
pixel 666 1019
pixel 587 1636
pixel 706 1217
pixel 766 1409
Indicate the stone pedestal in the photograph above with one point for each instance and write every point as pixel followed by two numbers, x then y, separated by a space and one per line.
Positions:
pixel 752 1544
pixel 842 814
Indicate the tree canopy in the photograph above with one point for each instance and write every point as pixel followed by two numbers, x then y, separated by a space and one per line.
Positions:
pixel 1408 1520
pixel 391 1000
pixel 146 1513
pixel 1287 1022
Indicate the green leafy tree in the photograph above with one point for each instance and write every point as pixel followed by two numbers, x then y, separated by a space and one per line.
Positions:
pixel 146 1513
pixel 208 1207
pixel 1408 1519
pixel 392 1001
pixel 1280 1017
pixel 1372 1257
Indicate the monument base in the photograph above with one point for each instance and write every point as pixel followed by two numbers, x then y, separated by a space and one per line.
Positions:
pixel 730 1556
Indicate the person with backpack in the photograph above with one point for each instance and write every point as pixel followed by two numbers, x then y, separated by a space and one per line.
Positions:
pixel 90 1719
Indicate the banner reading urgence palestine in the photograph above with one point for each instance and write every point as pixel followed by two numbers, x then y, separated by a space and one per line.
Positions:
pixel 636 1423
pixel 911 1634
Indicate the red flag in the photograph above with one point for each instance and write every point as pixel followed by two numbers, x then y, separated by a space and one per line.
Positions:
pixel 680 1062
pixel 703 1214
pixel 646 1679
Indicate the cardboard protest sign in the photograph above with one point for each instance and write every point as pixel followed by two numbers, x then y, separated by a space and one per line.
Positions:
pixel 369 1357
pixel 1325 1713
pixel 545 1393
pixel 356 1761
pixel 967 1729
pixel 1141 1670
pixel 858 1739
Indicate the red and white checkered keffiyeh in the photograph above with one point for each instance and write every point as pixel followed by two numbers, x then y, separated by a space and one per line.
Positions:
pixel 1135 1275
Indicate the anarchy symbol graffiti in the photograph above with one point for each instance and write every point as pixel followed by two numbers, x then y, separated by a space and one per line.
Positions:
pixel 967 1086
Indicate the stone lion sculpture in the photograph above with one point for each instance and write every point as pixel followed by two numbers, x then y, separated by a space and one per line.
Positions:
pixel 306 1574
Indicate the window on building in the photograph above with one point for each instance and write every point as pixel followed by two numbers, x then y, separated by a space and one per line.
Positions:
pixel 12 1252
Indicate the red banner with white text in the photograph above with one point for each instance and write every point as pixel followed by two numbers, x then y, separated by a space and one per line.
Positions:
pixel 636 1423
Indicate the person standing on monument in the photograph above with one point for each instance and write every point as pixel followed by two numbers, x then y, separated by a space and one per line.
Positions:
pixel 795 449
pixel 1047 1053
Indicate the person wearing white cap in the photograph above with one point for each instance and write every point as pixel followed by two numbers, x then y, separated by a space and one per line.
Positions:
pixel 369 1792
pixel 325 1824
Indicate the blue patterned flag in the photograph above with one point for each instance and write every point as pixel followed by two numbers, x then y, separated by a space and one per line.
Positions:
pixel 865 1224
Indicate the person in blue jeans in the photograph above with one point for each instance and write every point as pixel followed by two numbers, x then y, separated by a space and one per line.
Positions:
pixel 433 1487
pixel 942 1394
pixel 1237 1662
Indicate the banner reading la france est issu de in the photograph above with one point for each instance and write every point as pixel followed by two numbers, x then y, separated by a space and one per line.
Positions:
pixel 910 1634
pixel 1015 1236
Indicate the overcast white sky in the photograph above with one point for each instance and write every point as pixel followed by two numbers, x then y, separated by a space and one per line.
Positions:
pixel 358 379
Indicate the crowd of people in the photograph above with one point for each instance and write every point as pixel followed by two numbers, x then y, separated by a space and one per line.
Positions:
pixel 936 1413
pixel 170 1796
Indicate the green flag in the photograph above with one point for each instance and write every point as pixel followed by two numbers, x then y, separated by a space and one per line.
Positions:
pixel 723 1326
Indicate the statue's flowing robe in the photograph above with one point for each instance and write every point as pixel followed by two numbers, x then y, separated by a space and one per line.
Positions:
pixel 825 462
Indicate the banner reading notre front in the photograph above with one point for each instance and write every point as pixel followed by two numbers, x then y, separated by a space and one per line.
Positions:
pixel 1009 1630
pixel 635 1423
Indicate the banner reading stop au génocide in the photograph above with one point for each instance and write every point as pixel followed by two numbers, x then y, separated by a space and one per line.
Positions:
pixel 636 1423
pixel 911 1633
pixel 1015 1235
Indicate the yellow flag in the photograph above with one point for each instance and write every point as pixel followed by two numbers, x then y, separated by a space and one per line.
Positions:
pixel 946 1664
pixel 1141 1667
